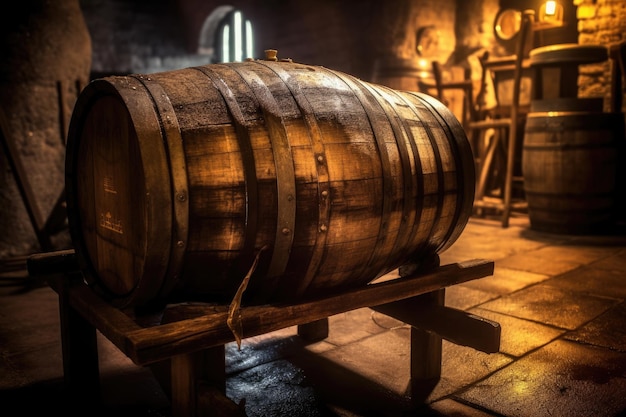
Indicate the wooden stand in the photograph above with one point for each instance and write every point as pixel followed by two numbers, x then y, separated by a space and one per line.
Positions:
pixel 192 337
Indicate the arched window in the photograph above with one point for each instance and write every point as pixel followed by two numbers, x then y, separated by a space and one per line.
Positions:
pixel 227 36
pixel 234 38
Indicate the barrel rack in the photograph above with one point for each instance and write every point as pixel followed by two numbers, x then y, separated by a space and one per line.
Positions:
pixel 190 338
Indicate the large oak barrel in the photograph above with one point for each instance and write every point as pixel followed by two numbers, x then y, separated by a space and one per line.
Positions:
pixel 177 181
pixel 571 170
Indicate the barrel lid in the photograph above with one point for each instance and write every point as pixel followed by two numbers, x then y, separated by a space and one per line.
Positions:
pixel 118 190
pixel 568 53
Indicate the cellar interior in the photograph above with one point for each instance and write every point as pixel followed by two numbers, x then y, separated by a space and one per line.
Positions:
pixel 323 208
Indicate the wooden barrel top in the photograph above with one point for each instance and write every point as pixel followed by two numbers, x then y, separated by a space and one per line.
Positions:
pixel 568 53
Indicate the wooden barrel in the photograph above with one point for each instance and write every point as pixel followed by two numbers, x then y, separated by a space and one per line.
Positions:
pixel 570 168
pixel 178 181
pixel 555 68
pixel 405 74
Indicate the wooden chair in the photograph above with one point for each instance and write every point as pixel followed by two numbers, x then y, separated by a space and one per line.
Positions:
pixel 617 54
pixel 439 86
pixel 494 132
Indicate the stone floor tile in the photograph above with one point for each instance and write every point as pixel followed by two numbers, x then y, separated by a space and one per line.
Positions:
pixel 254 352
pixel 518 336
pixel 529 262
pixel 462 366
pixel 351 326
pixel 505 281
pixel 34 365
pixel 11 377
pixel 580 255
pixel 551 305
pixel 601 282
pixel 276 389
pixel 495 223
pixel 383 358
pixel 141 385
pixel 545 237
pixel 38 322
pixel 385 322
pixel 615 262
pixel 449 407
pixel 607 330
pixel 369 377
pixel 590 382
pixel 485 247
pixel 463 297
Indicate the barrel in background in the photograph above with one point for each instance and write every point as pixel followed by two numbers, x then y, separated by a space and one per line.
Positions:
pixel 570 161
pixel 404 74
pixel 177 181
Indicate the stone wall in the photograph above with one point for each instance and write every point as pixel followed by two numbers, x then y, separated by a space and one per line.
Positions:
pixel 601 22
pixel 46 53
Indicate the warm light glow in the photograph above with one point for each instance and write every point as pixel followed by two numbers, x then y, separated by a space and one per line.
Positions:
pixel 238 38
pixel 226 43
pixel 249 39
pixel 551 12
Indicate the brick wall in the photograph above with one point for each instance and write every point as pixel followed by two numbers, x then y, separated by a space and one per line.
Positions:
pixel 599 22
pixel 139 36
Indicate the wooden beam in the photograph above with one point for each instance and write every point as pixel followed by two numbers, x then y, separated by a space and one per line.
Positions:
pixel 459 327
pixel 155 343
pixel 208 327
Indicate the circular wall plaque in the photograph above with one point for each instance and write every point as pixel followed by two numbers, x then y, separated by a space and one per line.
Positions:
pixel 508 23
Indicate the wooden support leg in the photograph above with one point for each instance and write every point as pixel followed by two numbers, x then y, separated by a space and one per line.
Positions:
pixel 198 385
pixel 183 384
pixel 80 351
pixel 426 351
pixel 314 331
pixel 213 403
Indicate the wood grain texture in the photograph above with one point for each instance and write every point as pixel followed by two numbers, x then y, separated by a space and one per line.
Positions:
pixel 570 165
pixel 192 327
pixel 342 179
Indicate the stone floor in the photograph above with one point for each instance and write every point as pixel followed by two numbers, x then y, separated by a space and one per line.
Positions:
pixel 559 299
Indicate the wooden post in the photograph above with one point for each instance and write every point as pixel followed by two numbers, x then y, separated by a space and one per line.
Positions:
pixel 314 331
pixel 80 349
pixel 426 353
pixel 198 385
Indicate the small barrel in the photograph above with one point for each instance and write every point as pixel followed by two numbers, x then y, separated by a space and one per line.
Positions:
pixel 178 181
pixel 570 168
